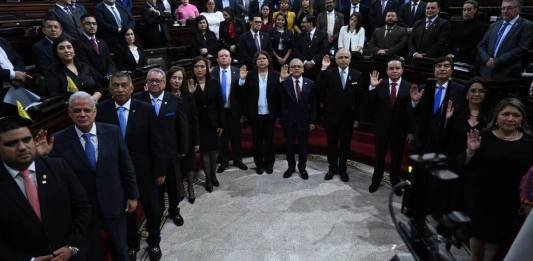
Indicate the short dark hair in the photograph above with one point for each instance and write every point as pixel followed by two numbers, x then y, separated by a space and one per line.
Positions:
pixel 474 3
pixel 87 15
pixel 50 18
pixel 121 74
pixel 262 52
pixel 434 1
pixel 443 59
pixel 8 123
pixel 310 19
pixel 395 59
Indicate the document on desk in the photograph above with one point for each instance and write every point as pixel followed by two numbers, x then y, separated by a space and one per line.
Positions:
pixel 21 94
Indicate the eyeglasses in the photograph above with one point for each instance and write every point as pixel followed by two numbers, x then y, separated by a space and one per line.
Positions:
pixel 257 21
pixel 297 66
pixel 154 81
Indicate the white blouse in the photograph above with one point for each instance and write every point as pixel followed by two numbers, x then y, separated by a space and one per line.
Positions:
pixel 354 41
pixel 135 53
pixel 214 19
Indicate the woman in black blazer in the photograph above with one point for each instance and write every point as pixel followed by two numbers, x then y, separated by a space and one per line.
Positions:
pixel 68 75
pixel 131 55
pixel 282 42
pixel 210 109
pixel 203 41
pixel 176 76
pixel 229 31
pixel 260 115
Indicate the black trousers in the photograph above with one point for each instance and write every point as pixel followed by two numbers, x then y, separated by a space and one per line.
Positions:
pixel 115 230
pixel 396 139
pixel 174 188
pixel 293 131
pixel 231 134
pixel 339 136
pixel 150 205
pixel 263 140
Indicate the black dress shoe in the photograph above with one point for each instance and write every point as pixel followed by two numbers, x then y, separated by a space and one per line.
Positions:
pixel 240 165
pixel 132 254
pixel 259 171
pixel 269 170
pixel 373 187
pixel 192 199
pixel 288 173
pixel 329 175
pixel 209 188
pixel 216 183
pixel 222 167
pixel 303 174
pixel 344 176
pixel 177 218
pixel 154 253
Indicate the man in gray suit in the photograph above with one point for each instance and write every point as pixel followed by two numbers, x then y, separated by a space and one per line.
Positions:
pixel 324 22
pixel 390 39
pixel 67 16
pixel 505 42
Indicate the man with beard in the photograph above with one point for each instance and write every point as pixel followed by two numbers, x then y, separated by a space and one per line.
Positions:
pixel 390 39
pixel 330 22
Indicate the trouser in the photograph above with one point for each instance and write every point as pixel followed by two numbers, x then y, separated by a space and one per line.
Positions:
pixel 292 131
pixel 150 205
pixel 263 137
pixel 231 134
pixel 174 187
pixel 339 137
pixel 115 229
pixel 397 144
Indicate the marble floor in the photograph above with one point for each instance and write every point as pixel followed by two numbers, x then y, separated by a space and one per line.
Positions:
pixel 265 217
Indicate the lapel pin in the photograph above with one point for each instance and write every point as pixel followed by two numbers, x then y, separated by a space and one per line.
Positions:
pixel 44 176
pixel 165 102
pixel 44 181
pixel 132 110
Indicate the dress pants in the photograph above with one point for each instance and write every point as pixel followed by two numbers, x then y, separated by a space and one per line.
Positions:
pixel 174 187
pixel 263 137
pixel 339 138
pixel 150 205
pixel 115 229
pixel 231 134
pixel 294 131
pixel 396 139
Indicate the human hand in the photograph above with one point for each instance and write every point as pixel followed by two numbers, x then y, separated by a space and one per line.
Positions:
pixel 62 254
pixel 473 141
pixel 21 76
pixel 312 127
pixel 243 72
pixel 44 258
pixel 326 62
pixel 374 79
pixel 410 138
pixel 191 86
pixel 355 124
pixel 382 51
pixel 284 73
pixel 131 205
pixel 219 131
pixel 449 109
pixel 43 143
pixel 160 180
pixel 490 63
pixel 415 93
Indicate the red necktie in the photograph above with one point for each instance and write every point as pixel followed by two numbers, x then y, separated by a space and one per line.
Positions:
pixel 298 90
pixel 95 45
pixel 392 97
pixel 31 192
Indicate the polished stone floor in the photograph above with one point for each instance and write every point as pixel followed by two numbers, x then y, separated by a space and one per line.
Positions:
pixel 265 217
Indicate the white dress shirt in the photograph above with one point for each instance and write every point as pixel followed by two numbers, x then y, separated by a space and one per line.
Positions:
pixel 331 22
pixel 19 179
pixel 126 107
pixel 94 139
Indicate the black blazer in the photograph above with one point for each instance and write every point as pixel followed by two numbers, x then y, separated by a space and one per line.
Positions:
pixel 207 40
pixel 395 41
pixel 315 49
pixel 247 48
pixel 465 37
pixel 432 41
pixel 65 212
pixel 55 79
pixel 189 104
pixel 172 123
pixel 287 39
pixel 42 54
pixel 235 94
pixel 126 62
pixel 225 40
pixel 152 22
pixel 232 5
pixel 300 111
pixel 391 118
pixel 211 110
pixel 251 94
pixel 71 25
pixel 339 103
pixel 101 62
pixel 113 182
pixel 406 18
pixel 376 17
pixel 142 137
pixel 14 58
pixel 107 26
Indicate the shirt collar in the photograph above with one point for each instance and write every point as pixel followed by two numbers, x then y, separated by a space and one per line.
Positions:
pixel 330 13
pixel 313 31
pixel 61 6
pixel 343 70
pixel 398 82
pixel 513 21
pixel 432 19
pixel 356 5
pixel 14 173
pixel 445 85
pixel 88 36
pixel 108 5
pixel 125 105
pixel 160 97
pixel 80 133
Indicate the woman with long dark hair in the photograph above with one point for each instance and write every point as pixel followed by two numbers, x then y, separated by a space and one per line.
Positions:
pixel 229 31
pixel 131 55
pixel 203 41
pixel 282 42
pixel 305 10
pixel 266 17
pixel 352 36
pixel 285 9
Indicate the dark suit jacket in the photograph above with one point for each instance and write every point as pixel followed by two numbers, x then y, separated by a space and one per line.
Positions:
pixel 42 54
pixel 311 50
pixel 172 122
pixel 376 17
pixel 113 182
pixel 395 42
pixel 207 40
pixel 223 34
pixel 142 138
pixel 507 63
pixel 391 118
pixel 71 25
pixel 247 48
pixel 406 18
pixel 107 26
pixel 189 105
pixel 251 94
pixel 235 94
pixel 232 5
pixel 125 61
pixel 102 62
pixel 302 111
pixel 339 103
pixel 152 23
pixel 55 80
pixel 211 110
pixel 322 23
pixel 432 41
pixel 65 212
pixel 14 58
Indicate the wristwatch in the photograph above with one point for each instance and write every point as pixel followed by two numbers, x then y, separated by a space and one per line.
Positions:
pixel 74 250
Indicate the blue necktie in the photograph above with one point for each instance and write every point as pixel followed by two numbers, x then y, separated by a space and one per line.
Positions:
pixel 122 120
pixel 343 79
pixel 499 38
pixel 223 85
pixel 90 152
pixel 438 96
pixel 157 105
pixel 116 14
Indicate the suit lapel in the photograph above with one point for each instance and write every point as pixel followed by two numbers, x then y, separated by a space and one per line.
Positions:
pixel 75 141
pixel 132 115
pixel 289 88
pixel 11 189
pixel 103 143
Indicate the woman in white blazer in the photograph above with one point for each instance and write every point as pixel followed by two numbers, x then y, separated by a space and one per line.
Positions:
pixel 352 36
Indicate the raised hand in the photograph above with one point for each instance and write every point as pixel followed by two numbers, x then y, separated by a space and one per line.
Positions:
pixel 326 62
pixel 374 79
pixel 243 72
pixel 449 109
pixel 473 141
pixel 43 143
pixel 415 93
pixel 284 73
pixel 191 85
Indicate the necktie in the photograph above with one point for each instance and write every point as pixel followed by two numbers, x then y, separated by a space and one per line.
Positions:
pixel 343 79
pixel 383 5
pixel 438 97
pixel 95 45
pixel 67 10
pixel 223 85
pixel 309 37
pixel 392 96
pixel 353 9
pixel 499 38
pixel 90 152
pixel 387 31
pixel 31 192
pixel 298 89
pixel 428 23
pixel 117 17
pixel 157 105
pixel 257 43
pixel 413 9
pixel 122 120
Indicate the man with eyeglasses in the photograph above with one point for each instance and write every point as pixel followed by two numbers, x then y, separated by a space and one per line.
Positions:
pixel 253 41
pixel 504 44
pixel 138 125
pixel 94 50
pixel 98 155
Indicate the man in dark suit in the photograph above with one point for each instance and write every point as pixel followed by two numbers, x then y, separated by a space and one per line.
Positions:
pixel 355 6
pixel 94 50
pixel 429 36
pixel 390 39
pixel 391 105
pixel 11 74
pixel 378 11
pixel 253 41
pixel 228 76
pixel 67 16
pixel 429 105
pixel 297 114
pixel 138 125
pixel 41 52
pixel 45 210
pixel 112 20
pixel 340 89
pixel 99 157
pixel 156 33
pixel 504 44
pixel 310 47
pixel 220 5
pixel 411 12
pixel 173 127
pixel 332 30
pixel 254 7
